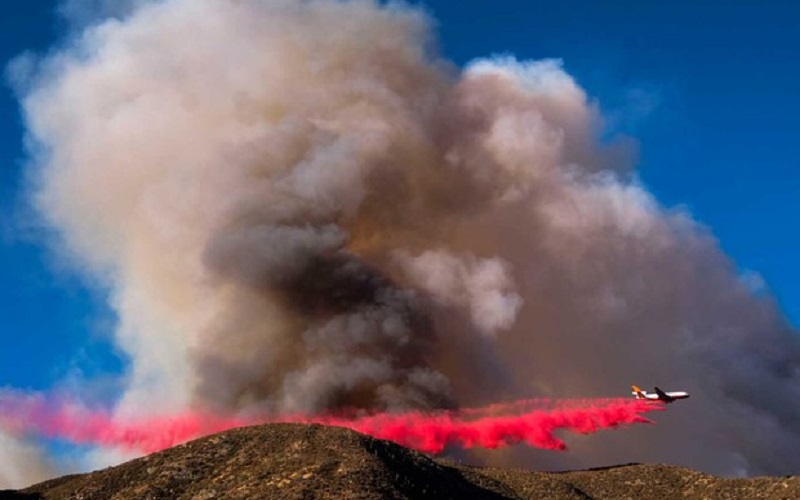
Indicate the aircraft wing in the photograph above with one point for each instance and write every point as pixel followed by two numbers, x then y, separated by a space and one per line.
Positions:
pixel 663 395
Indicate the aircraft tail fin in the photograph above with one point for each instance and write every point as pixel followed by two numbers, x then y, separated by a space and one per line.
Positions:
pixel 637 392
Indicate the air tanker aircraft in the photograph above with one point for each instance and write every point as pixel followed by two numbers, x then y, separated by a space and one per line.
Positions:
pixel 667 397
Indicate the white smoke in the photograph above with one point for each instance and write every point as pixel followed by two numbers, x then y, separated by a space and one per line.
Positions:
pixel 483 287
pixel 298 206
pixel 22 463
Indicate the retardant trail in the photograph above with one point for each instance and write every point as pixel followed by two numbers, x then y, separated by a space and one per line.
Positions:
pixel 433 432
pixel 532 422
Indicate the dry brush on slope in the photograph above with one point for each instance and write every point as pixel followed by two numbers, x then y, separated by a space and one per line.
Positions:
pixel 314 461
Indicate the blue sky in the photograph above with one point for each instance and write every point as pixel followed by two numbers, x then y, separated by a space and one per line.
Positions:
pixel 709 90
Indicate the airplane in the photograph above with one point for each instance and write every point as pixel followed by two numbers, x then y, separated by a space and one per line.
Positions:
pixel 666 397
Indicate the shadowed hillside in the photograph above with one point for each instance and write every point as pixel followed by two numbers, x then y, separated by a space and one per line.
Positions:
pixel 314 461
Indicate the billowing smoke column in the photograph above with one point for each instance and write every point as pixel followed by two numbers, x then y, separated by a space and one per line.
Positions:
pixel 296 206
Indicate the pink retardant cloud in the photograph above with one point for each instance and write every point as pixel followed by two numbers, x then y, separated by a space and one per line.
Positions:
pixel 530 422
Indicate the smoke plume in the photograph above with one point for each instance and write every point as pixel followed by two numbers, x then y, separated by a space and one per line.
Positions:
pixel 298 206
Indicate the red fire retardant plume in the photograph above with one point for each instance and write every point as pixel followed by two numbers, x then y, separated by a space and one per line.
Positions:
pixel 532 422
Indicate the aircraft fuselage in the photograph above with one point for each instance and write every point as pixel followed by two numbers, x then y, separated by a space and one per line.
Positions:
pixel 659 395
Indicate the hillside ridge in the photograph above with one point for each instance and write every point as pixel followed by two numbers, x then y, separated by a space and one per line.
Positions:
pixel 301 461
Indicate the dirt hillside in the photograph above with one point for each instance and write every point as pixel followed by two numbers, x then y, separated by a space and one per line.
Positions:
pixel 293 461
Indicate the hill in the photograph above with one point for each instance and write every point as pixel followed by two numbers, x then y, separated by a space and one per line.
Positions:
pixel 294 461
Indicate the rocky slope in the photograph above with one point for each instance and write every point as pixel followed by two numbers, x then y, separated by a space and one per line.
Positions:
pixel 292 461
